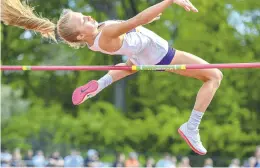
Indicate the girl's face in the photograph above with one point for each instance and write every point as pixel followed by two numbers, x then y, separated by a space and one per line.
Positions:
pixel 85 25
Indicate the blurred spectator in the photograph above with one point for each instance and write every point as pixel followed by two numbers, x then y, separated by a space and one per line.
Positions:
pixel 166 161
pixel 74 160
pixel 208 163
pixel 132 161
pixel 174 161
pixel 56 160
pixel 257 156
pixel 251 162
pixel 185 162
pixel 39 159
pixel 17 159
pixel 92 159
pixel 150 162
pixel 28 158
pixel 120 160
pixel 235 163
pixel 6 158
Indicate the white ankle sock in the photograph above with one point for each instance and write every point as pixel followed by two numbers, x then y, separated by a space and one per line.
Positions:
pixel 194 121
pixel 104 82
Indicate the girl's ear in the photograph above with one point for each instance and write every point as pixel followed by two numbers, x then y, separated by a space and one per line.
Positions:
pixel 80 37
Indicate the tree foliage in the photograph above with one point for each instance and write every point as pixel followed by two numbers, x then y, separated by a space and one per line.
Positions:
pixel 157 102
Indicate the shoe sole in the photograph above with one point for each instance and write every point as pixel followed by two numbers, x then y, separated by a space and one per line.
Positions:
pixel 79 97
pixel 188 142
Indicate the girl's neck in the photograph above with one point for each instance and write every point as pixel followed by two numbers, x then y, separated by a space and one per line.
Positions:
pixel 90 41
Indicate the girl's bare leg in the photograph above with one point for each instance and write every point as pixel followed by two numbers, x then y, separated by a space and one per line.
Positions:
pixel 211 79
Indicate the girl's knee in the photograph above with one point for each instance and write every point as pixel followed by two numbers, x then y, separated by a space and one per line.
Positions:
pixel 219 75
pixel 216 77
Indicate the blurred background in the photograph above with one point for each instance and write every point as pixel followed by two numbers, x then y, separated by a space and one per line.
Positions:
pixel 134 122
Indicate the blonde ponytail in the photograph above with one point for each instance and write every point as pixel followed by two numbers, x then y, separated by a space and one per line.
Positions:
pixel 14 13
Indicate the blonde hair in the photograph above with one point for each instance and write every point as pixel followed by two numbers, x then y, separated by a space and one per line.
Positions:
pixel 67 32
pixel 14 13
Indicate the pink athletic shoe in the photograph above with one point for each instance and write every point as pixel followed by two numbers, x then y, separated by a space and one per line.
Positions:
pixel 84 92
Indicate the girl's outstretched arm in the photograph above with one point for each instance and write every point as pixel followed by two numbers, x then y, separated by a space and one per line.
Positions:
pixel 146 16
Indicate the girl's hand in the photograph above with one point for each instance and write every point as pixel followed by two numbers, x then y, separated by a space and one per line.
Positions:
pixel 186 4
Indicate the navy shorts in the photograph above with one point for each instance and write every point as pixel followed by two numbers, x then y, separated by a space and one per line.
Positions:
pixel 167 59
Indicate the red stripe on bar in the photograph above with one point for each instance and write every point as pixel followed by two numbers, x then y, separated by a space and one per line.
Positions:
pixel 129 68
pixel 66 68
pixel 223 66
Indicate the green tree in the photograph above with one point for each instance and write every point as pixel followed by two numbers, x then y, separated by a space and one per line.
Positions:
pixel 157 102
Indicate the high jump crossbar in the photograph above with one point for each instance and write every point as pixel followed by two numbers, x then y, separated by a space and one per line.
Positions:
pixel 130 68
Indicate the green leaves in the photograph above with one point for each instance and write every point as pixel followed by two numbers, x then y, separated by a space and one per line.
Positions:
pixel 37 109
pixel 13 103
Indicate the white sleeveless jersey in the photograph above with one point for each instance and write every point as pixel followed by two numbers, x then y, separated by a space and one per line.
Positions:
pixel 141 46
